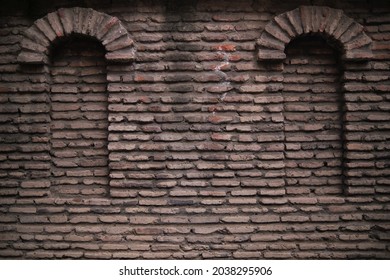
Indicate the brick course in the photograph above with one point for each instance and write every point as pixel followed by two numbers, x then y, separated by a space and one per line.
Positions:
pixel 194 130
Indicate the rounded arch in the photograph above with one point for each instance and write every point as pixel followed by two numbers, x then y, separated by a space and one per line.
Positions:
pixel 105 28
pixel 332 23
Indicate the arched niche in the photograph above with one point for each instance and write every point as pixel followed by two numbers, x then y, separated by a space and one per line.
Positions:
pixel 37 46
pixel 313 118
pixel 78 118
pixel 337 30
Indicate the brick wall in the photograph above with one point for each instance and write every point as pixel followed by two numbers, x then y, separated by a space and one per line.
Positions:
pixel 195 129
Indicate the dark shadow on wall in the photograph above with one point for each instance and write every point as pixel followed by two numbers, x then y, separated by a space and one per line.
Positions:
pixel 35 9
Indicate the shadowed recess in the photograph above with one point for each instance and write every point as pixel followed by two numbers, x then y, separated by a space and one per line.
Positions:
pixel 313 118
pixel 79 118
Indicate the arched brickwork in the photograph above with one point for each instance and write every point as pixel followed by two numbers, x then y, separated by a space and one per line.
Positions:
pixel 37 44
pixel 105 28
pixel 334 24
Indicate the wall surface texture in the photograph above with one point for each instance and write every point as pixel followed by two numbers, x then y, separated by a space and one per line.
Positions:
pixel 195 129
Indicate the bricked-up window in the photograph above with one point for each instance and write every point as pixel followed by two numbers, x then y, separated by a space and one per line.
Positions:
pixel 313 117
pixel 79 118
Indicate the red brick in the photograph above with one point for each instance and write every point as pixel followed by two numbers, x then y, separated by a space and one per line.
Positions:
pixel 264 237
pixel 210 166
pixel 303 200
pixel 295 218
pixel 242 200
pixel 113 219
pixel 266 218
pixel 83 219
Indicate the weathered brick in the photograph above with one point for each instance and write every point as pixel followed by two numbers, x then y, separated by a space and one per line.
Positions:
pixel 264 237
pixel 83 219
pixel 113 219
pixel 210 166
pixel 303 200
pixel 266 218
pixel 295 218
pixel 35 184
pixel 224 183
pixel 141 219
pixel 252 88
